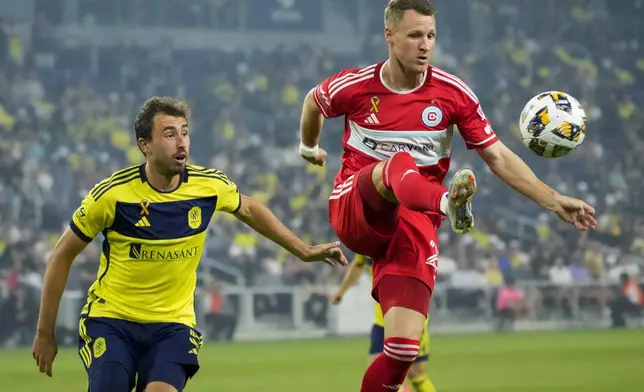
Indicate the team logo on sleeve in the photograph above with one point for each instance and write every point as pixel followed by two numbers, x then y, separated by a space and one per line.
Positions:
pixel 432 116
pixel 194 217
pixel 81 216
pixel 324 97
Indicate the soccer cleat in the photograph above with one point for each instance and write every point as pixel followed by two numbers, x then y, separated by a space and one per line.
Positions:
pixel 461 190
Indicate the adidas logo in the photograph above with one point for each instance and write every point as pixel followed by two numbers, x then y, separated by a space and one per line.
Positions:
pixel 372 119
pixel 143 222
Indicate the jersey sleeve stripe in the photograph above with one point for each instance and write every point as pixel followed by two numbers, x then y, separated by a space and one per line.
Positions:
pixel 456 79
pixel 348 83
pixel 455 82
pixel 201 169
pixel 115 183
pixel 79 233
pixel 352 75
pixel 318 103
pixel 238 205
pixel 483 142
pixel 213 172
pixel 114 177
pixel 221 178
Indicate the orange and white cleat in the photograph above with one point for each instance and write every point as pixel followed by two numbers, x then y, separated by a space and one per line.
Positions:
pixel 461 190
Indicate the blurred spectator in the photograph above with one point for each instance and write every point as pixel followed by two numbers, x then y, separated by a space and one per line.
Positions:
pixel 19 315
pixel 220 319
pixel 630 301
pixel 510 304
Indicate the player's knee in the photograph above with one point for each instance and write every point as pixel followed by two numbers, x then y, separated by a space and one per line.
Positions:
pixel 382 173
pixel 110 377
pixel 378 181
pixel 417 369
pixel 167 377
pixel 160 387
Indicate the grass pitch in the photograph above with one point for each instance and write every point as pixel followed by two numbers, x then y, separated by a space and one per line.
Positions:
pixel 521 362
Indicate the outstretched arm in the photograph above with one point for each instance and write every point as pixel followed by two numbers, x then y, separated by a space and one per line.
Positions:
pixel 350 278
pixel 262 220
pixel 506 165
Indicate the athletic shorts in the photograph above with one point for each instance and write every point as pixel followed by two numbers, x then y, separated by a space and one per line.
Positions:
pixel 141 348
pixel 378 342
pixel 400 241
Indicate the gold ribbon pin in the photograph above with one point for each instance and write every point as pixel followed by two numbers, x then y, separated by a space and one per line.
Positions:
pixel 144 208
pixel 374 105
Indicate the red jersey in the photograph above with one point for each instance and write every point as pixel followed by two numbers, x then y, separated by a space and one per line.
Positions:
pixel 380 121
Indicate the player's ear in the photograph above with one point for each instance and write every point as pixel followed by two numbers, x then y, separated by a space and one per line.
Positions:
pixel 143 145
pixel 389 35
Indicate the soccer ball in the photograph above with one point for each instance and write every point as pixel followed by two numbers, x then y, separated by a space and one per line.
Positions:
pixel 552 124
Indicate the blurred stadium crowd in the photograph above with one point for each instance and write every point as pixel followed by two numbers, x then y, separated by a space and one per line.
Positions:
pixel 66 120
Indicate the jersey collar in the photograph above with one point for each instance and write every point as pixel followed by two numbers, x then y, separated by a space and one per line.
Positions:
pixel 426 76
pixel 144 178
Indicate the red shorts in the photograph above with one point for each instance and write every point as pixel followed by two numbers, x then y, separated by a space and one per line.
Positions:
pixel 400 241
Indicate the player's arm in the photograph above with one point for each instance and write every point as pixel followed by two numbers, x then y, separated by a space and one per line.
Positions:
pixel 351 277
pixel 311 121
pixel 319 104
pixel 45 348
pixel 66 250
pixel 262 220
pixel 88 220
pixel 505 164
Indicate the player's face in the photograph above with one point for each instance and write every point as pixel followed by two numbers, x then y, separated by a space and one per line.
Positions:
pixel 170 144
pixel 412 40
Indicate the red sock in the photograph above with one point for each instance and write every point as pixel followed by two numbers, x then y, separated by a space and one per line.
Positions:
pixel 412 190
pixel 388 371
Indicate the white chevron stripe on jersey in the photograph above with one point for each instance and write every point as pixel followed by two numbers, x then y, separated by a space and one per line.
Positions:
pixel 454 81
pixel 342 189
pixel 349 82
pixel 361 72
pixel 455 78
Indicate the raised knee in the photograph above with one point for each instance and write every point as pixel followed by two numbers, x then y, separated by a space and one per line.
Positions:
pixel 378 176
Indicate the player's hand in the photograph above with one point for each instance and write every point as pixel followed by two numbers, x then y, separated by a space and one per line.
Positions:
pixel 336 298
pixel 329 253
pixel 319 159
pixel 576 212
pixel 44 351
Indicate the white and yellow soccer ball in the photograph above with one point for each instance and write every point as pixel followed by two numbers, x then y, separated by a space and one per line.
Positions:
pixel 553 124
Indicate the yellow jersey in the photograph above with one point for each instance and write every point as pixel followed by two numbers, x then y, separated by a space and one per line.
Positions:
pixel 378 318
pixel 152 242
